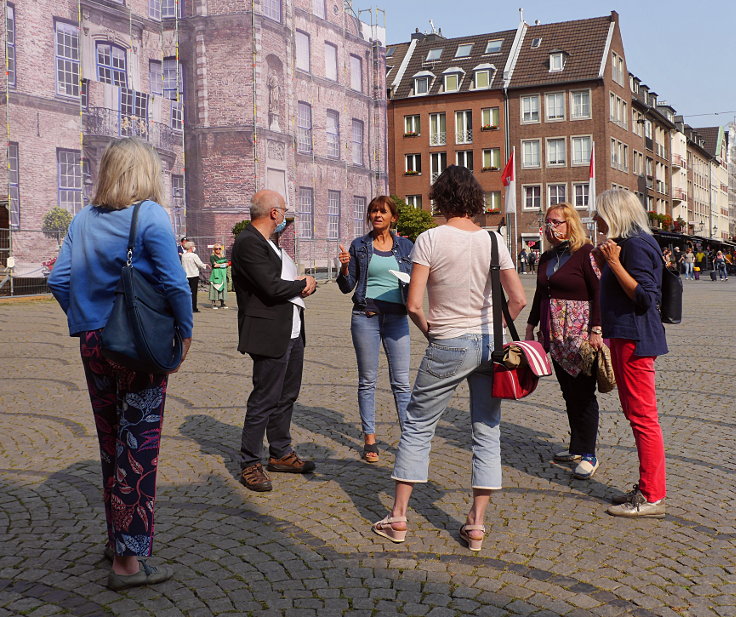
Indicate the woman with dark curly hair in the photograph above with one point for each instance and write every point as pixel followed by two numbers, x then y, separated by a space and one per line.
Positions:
pixel 452 263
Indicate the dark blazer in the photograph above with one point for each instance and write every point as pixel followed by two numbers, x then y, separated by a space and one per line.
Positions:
pixel 265 314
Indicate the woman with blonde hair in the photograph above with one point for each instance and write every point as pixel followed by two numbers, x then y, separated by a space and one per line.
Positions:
pixel 128 405
pixel 567 309
pixel 631 289
pixel 218 276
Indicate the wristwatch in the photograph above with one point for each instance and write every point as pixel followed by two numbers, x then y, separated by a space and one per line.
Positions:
pixel 596 330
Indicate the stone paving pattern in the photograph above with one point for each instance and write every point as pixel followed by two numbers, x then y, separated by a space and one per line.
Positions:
pixel 305 549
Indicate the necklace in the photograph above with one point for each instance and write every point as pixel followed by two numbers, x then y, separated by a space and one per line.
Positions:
pixel 559 253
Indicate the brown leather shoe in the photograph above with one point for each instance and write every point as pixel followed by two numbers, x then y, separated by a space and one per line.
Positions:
pixel 254 478
pixel 291 463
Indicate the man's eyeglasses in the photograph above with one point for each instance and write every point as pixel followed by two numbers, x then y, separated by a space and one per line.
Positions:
pixel 553 223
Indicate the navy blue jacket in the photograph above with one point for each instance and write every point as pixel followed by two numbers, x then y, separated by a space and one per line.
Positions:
pixel 361 251
pixel 638 320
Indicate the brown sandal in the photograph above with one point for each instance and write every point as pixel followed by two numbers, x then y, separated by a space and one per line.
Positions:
pixel 370 453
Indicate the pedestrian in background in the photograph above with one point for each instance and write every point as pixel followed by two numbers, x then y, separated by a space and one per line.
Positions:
pixel 218 277
pixel 566 307
pixel 379 313
pixel 128 405
pixel 719 263
pixel 630 294
pixel 452 263
pixel 688 263
pixel 192 264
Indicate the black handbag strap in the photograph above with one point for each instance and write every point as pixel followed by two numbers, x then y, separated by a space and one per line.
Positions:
pixel 131 235
pixel 499 304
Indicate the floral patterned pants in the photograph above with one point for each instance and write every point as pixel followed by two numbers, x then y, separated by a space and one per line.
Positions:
pixel 128 407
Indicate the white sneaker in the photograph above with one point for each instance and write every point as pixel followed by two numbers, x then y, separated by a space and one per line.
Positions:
pixel 586 468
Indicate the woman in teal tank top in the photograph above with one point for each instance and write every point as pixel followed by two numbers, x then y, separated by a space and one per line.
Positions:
pixel 379 313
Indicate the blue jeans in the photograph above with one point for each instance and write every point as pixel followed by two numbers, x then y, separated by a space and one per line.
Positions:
pixel 368 333
pixel 445 364
pixel 689 274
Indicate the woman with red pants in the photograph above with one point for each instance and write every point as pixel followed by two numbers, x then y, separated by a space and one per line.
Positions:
pixel 630 293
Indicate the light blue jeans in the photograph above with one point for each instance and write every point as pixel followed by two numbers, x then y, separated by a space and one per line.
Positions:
pixel 689 274
pixel 368 333
pixel 445 364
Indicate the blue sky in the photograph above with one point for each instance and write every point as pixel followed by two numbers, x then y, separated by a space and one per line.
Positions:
pixel 682 49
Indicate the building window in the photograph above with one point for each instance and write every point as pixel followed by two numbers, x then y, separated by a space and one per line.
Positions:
pixel 464 127
pixel 463 50
pixel 412 164
pixel 133 113
pixel 491 159
pixel 14 185
pixel 648 129
pixel 111 68
pixel 154 9
pixel 581 191
pixel 415 201
pixel 302 51
pixel 492 200
pixel 530 153
pixel 421 85
pixel 434 54
pixel 482 79
pixel 332 133
pixel 155 77
pixel 69 179
pixel 556 194
pixel 530 109
pixel 493 47
pixel 304 128
pixel 437 164
pixel 305 214
pixel 411 125
pixel 464 158
pixel 177 115
pixel 452 82
pixel 357 142
pixel 84 93
pixel 489 118
pixel 556 61
pixel 331 61
pixel 172 79
pixel 556 155
pixel 10 43
pixel 554 106
pixel 171 8
pixel 580 147
pixel 536 42
pixel 580 104
pixel 532 196
pixel 617 69
pixel 437 129
pixel 333 215
pixel 67 59
pixel 318 8
pixel 358 215
pixel 272 9
pixel 356 73
pixel 177 201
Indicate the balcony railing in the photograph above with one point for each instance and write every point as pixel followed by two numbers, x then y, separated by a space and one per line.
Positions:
pixel 111 123
pixel 438 139
pixel 464 137
pixel 679 161
pixel 434 175
pixel 679 195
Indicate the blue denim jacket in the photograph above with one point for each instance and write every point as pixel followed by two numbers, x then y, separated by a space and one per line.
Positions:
pixel 361 251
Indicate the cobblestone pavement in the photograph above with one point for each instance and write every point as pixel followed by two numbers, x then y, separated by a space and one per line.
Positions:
pixel 305 549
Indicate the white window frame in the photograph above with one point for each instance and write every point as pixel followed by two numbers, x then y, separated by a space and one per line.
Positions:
pixel 529 108
pixel 435 162
pixel 421 80
pixel 586 161
pixel 358 137
pixel 584 195
pixel 412 124
pixel 438 137
pixel 492 48
pixel 573 114
pixel 305 213
pixel 156 77
pixel 463 46
pixel 524 163
pixel 329 65
pixel 272 9
pixel 524 189
pixel 446 86
pixel 333 215
pixel 558 96
pixel 487 117
pixel 556 62
pixel 303 46
pixel 414 201
pixel 66 53
pixel 332 137
pixel 356 73
pixel 464 158
pixel 304 123
pixel 464 126
pixel 477 74
pixel 359 215
pixel 548 152
pixel 491 159
pixel 556 186
pixel 492 200
pixel 413 164
pixel 432 55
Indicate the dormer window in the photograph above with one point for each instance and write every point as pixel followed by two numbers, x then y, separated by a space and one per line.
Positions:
pixel 482 76
pixel 536 42
pixel 556 61
pixel 390 52
pixel 494 46
pixel 422 82
pixel 463 51
pixel 453 76
pixel 434 54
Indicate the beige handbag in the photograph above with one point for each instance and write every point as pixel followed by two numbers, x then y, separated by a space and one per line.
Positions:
pixel 604 369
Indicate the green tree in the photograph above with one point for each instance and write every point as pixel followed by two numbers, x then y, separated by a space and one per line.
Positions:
pixel 238 227
pixel 412 221
pixel 56 223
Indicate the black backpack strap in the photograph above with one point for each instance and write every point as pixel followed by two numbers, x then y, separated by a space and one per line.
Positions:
pixel 131 235
pixel 499 303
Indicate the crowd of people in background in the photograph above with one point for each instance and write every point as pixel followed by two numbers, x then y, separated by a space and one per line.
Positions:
pixel 585 295
pixel 694 263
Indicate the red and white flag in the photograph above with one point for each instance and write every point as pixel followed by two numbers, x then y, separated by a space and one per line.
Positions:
pixel 508 178
pixel 591 180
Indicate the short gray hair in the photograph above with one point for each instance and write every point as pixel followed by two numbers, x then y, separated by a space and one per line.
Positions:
pixel 623 213
pixel 189 245
pixel 263 202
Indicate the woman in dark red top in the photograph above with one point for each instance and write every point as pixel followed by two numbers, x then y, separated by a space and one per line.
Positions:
pixel 566 307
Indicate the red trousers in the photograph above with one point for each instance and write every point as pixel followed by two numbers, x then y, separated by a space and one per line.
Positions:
pixel 636 391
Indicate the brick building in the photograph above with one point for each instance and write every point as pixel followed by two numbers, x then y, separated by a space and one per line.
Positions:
pixel 282 94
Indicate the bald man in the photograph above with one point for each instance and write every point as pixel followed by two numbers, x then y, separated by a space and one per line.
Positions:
pixel 271 330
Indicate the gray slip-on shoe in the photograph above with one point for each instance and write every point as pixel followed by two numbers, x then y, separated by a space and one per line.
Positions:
pixel 147 575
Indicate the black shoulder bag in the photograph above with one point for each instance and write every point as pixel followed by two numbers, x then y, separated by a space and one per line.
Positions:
pixel 141 333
